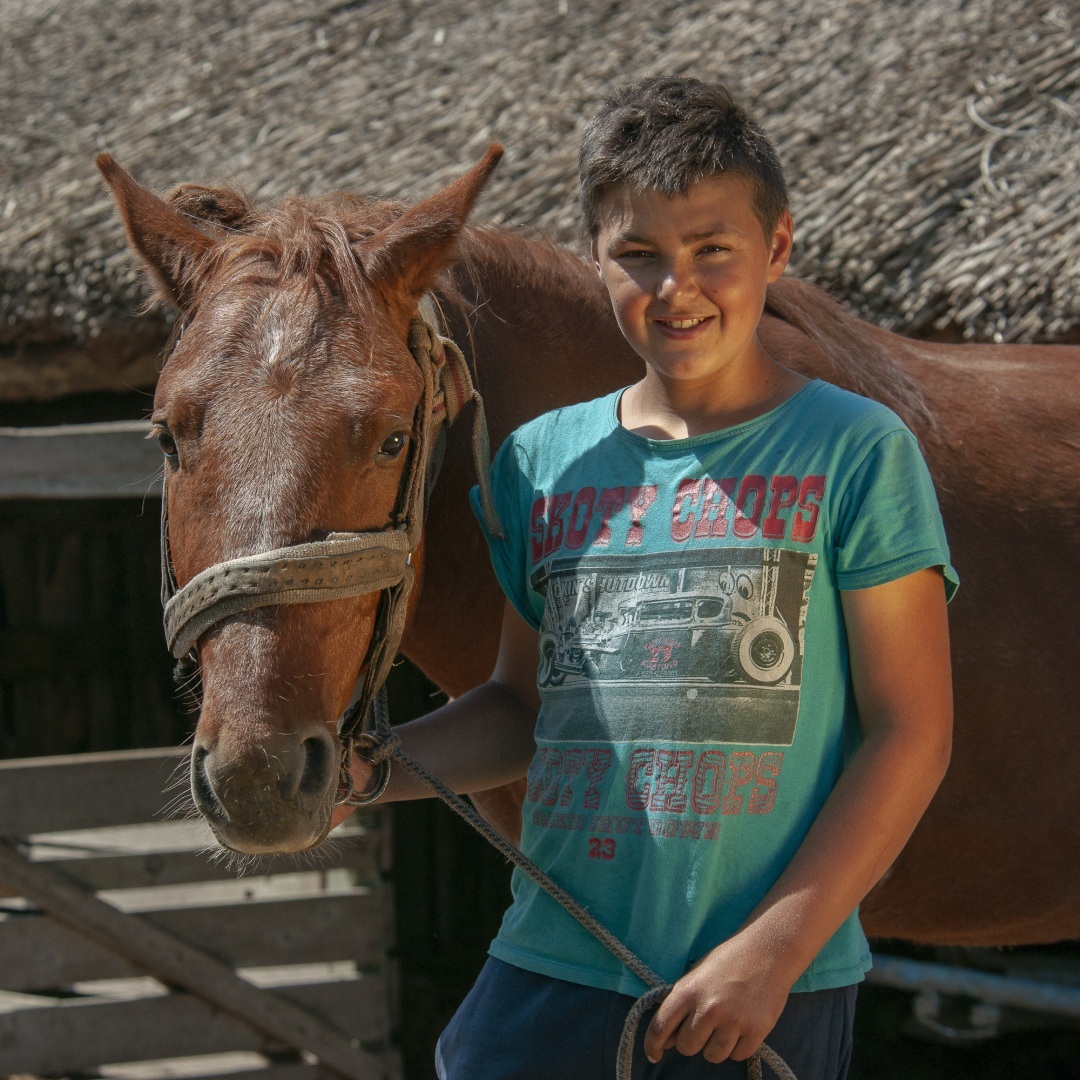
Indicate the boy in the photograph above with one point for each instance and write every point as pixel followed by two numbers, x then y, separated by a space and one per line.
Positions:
pixel 733 578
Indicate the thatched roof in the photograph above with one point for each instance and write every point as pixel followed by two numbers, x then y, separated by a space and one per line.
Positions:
pixel 933 148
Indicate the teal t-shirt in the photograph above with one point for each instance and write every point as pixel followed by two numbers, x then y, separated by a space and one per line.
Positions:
pixel 697 706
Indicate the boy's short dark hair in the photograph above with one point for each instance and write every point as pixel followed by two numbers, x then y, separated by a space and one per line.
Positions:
pixel 666 133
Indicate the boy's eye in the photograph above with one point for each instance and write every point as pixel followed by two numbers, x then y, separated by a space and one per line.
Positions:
pixel 634 253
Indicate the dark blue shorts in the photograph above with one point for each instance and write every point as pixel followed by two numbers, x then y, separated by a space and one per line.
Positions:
pixel 516 1025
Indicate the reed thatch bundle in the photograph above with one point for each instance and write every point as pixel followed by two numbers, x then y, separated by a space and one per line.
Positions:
pixel 933 148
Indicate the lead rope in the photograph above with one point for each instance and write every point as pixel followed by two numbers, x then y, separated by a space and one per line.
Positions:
pixel 385 745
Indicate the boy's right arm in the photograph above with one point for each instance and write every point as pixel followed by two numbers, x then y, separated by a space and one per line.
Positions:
pixel 482 739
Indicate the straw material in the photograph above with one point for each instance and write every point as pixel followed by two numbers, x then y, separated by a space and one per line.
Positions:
pixel 933 149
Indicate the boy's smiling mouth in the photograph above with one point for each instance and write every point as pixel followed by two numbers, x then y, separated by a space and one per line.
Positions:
pixel 682 323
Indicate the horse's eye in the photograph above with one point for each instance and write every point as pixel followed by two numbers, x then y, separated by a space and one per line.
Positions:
pixel 394 444
pixel 166 442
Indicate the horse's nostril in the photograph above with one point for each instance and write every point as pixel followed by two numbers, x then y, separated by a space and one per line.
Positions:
pixel 316 766
pixel 202 790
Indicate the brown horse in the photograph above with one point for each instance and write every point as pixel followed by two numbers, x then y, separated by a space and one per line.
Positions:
pixel 286 401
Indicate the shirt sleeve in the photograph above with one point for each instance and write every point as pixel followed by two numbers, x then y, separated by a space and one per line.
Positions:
pixel 512 492
pixel 889 524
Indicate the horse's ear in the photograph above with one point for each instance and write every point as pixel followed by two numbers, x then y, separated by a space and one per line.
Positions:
pixel 168 244
pixel 404 257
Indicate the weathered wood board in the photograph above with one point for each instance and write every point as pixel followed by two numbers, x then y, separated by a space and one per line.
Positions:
pixel 121 942
pixel 86 791
pixel 79 461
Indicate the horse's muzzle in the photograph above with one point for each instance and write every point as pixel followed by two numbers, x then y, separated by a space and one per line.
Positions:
pixel 271 795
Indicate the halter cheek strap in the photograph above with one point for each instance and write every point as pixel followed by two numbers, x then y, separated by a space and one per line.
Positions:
pixel 346 563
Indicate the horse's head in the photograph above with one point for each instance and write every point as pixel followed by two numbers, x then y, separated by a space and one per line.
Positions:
pixel 286 411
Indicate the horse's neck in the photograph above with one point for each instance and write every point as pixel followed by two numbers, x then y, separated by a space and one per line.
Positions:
pixel 538 324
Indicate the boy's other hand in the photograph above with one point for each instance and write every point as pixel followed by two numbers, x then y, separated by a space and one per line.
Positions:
pixel 723 1008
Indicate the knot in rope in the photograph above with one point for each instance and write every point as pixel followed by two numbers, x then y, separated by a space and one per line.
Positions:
pixel 376 746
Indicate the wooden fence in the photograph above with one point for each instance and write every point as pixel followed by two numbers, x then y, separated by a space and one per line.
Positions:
pixel 122 945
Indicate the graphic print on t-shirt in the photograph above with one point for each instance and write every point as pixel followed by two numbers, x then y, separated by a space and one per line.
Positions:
pixel 706 647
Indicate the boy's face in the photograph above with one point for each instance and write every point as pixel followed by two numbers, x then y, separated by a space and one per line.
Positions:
pixel 687 275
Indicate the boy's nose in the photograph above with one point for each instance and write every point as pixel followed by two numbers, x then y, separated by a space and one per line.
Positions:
pixel 675 284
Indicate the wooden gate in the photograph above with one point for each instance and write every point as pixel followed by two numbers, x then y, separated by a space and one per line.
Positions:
pixel 122 945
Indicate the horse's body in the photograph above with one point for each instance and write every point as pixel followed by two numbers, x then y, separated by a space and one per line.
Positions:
pixel 997 858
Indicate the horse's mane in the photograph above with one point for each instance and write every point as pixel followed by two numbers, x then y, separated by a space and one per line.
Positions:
pixel 531 264
pixel 854 350
pixel 311 237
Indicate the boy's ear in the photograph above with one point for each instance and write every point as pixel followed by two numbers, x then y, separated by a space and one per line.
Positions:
pixel 594 254
pixel 783 238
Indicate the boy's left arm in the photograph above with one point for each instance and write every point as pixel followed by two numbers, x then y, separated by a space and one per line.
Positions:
pixel 899 647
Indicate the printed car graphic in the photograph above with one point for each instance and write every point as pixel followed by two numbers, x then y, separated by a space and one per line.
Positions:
pixel 732 617
pixel 696 637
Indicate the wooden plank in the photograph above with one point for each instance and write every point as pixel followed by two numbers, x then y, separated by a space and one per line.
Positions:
pixel 42 954
pixel 65 792
pixel 76 1036
pixel 166 1070
pixel 79 461
pixel 356 852
pixel 175 852
pixel 62 794
pixel 278 1072
pixel 287 1072
pixel 176 963
pixel 342 927
pixel 166 835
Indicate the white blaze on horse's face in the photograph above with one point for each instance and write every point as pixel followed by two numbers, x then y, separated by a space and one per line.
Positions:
pixel 282 411
pixel 687 277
